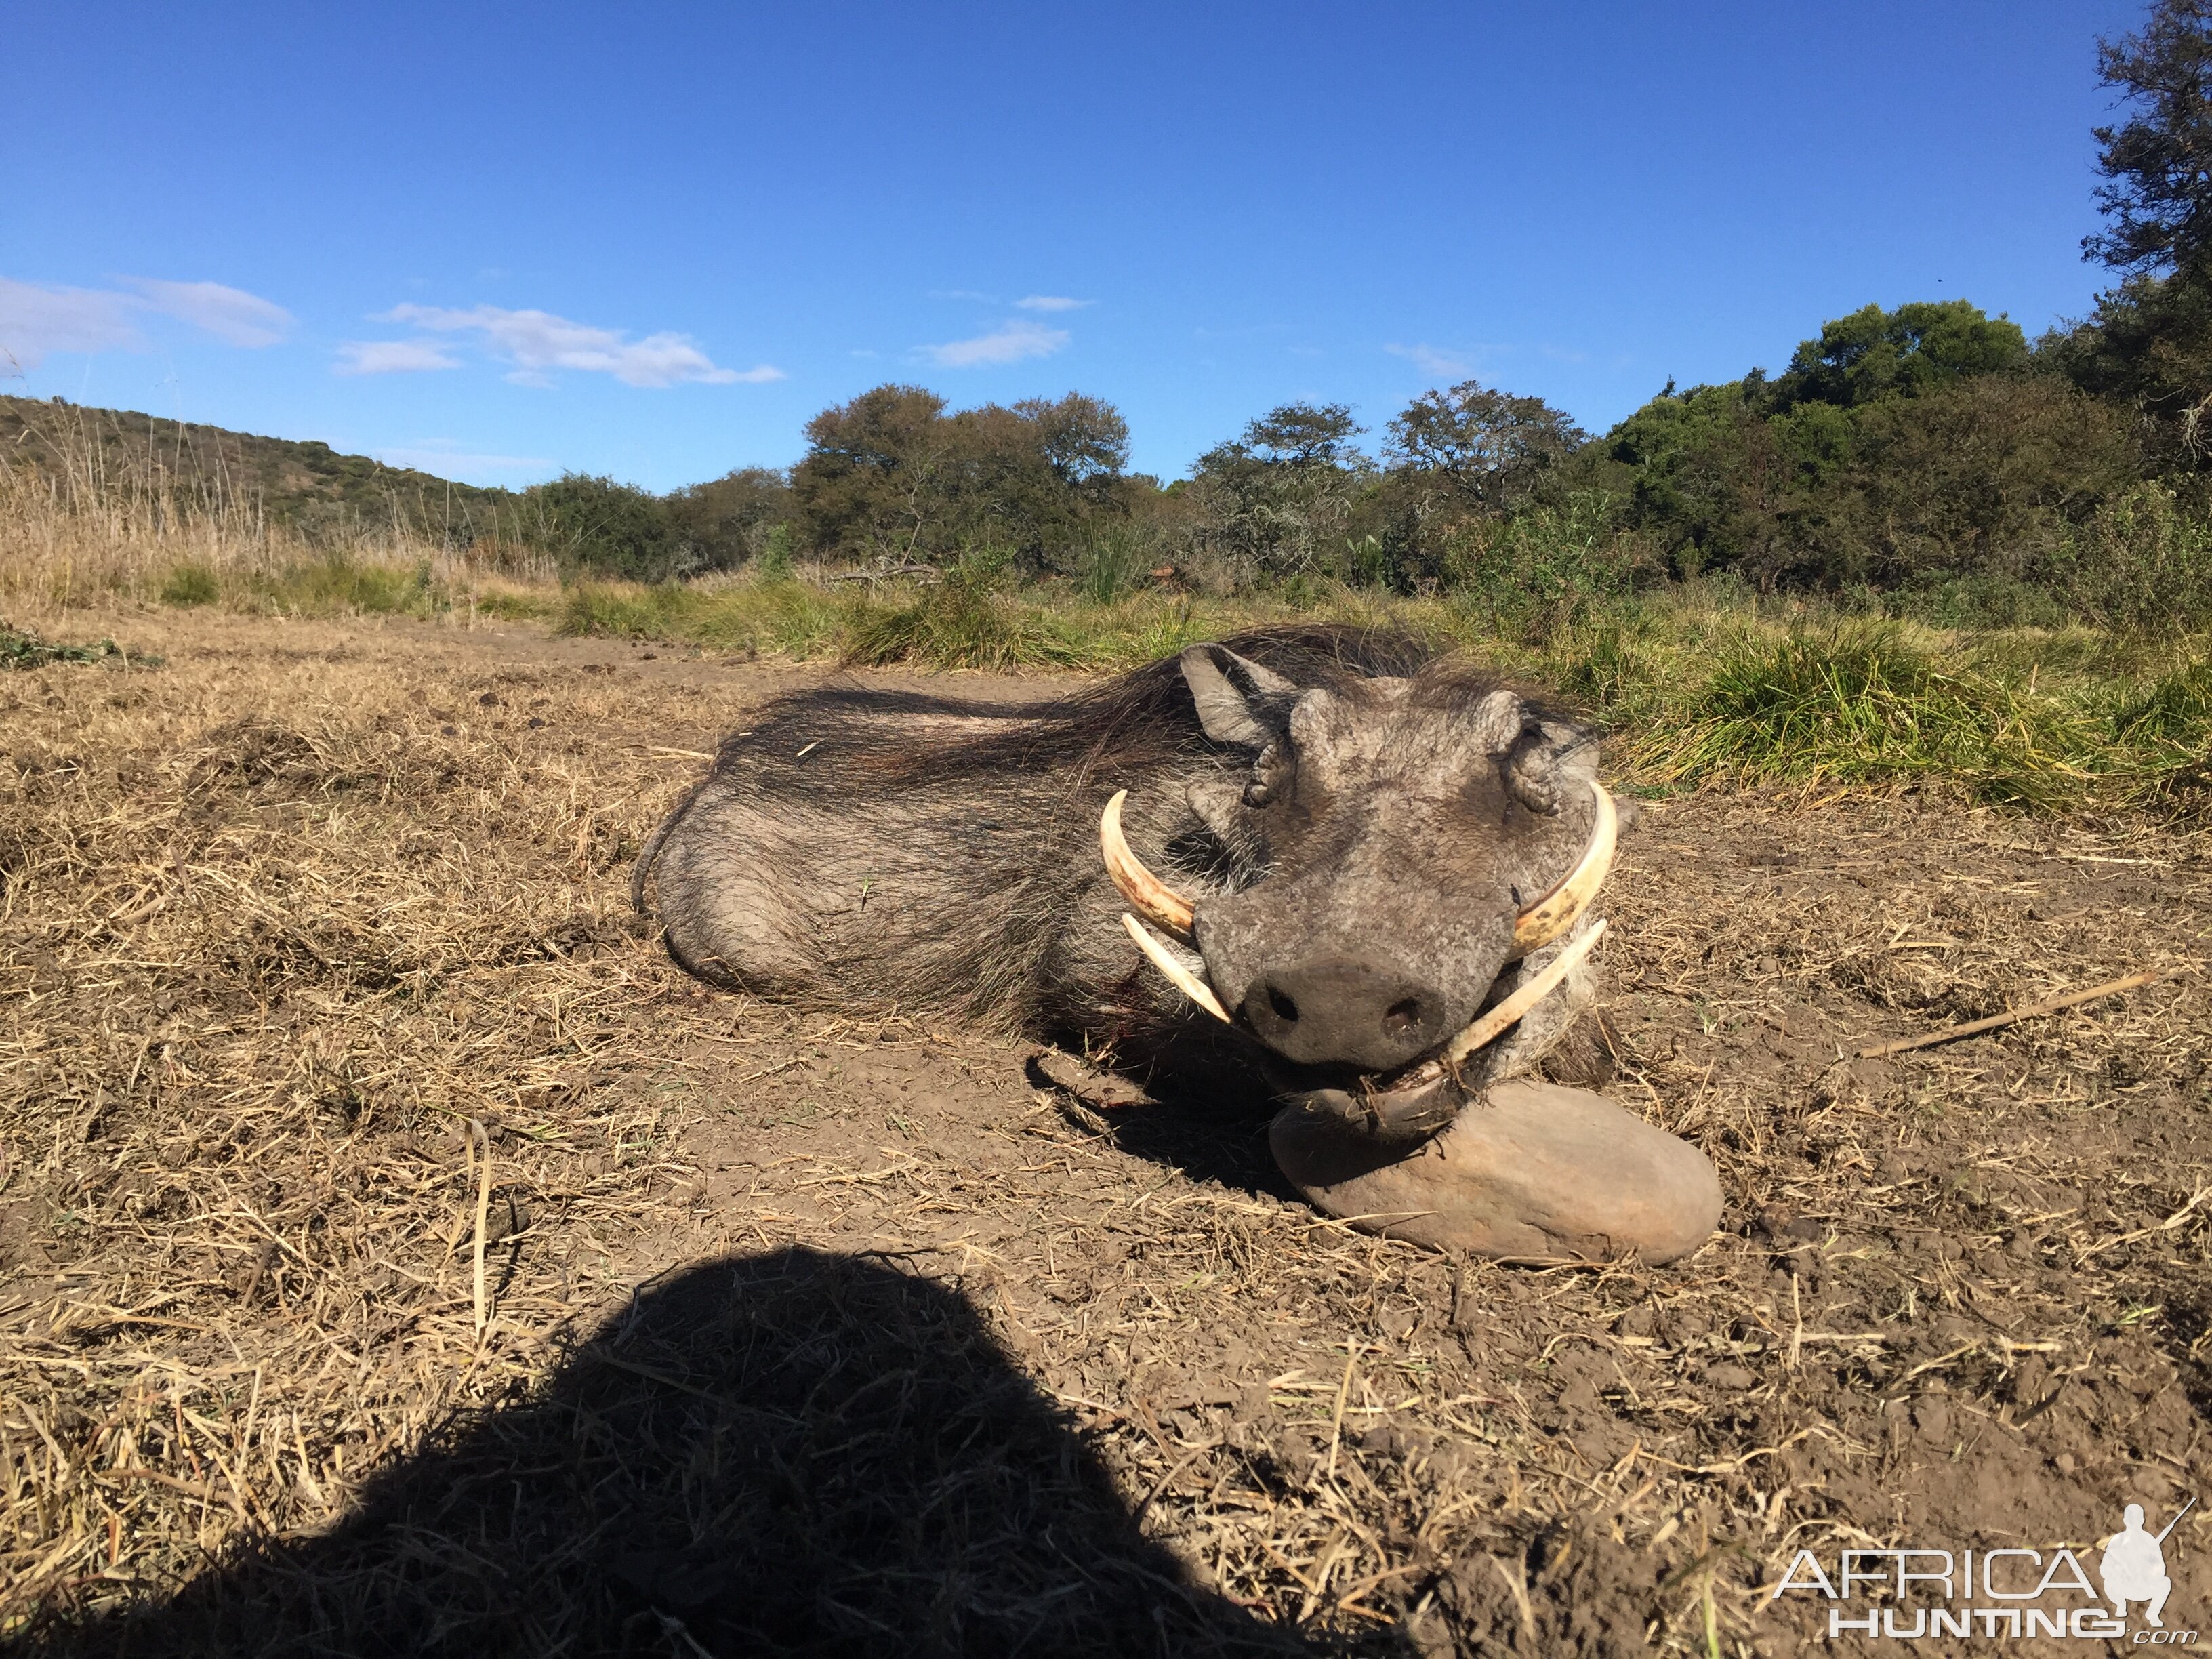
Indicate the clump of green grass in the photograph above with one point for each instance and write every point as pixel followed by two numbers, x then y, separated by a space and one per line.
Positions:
pixel 2178 710
pixel 788 618
pixel 337 584
pixel 960 625
pixel 1862 703
pixel 190 584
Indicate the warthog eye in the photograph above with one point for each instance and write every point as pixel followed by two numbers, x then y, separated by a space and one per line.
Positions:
pixel 1268 771
pixel 1530 775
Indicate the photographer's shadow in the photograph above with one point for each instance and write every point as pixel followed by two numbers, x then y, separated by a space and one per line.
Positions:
pixel 789 1453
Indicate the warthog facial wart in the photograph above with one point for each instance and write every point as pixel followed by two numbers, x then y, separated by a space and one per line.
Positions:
pixel 1291 868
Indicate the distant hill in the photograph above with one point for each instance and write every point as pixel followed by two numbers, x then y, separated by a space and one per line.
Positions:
pixel 302 483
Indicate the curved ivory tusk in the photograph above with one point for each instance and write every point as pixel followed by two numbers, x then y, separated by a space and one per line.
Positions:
pixel 1152 898
pixel 1178 976
pixel 1493 1023
pixel 1553 914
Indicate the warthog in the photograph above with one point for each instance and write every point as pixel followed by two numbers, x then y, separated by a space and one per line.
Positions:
pixel 1323 864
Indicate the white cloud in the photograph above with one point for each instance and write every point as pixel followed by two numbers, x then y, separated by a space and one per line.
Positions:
pixel 538 342
pixel 1431 361
pixel 1012 342
pixel 1050 302
pixel 392 357
pixel 445 458
pixel 35 320
pixel 230 314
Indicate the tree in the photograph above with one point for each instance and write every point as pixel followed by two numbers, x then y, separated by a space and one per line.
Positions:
pixel 1027 478
pixel 1487 448
pixel 724 523
pixel 598 525
pixel 1084 441
pixel 1727 484
pixel 871 484
pixel 1875 353
pixel 2150 341
pixel 1281 494
pixel 2157 166
pixel 1303 435
pixel 1983 477
pixel 1901 446
pixel 893 475
pixel 2149 344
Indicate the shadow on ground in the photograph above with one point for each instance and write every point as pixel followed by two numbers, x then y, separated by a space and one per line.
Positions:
pixel 1212 1124
pixel 792 1452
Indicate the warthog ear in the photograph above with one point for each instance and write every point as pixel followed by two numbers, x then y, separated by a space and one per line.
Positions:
pixel 1225 686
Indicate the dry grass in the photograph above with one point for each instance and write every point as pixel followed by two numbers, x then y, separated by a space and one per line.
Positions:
pixel 860 1339
pixel 274 930
pixel 100 531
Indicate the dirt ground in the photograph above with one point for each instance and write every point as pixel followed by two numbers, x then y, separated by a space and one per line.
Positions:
pixel 804 1335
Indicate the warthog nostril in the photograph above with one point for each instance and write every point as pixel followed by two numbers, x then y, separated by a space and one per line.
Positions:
pixel 1343 1010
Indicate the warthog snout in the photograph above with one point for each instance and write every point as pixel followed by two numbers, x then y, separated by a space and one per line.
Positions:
pixel 1344 1011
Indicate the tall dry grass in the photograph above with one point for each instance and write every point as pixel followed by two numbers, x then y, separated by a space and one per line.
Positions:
pixel 89 524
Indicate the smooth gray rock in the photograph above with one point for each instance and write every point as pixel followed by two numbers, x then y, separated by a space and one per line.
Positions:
pixel 1532 1171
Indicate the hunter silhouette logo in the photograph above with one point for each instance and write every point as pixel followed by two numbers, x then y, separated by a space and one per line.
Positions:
pixel 2133 1565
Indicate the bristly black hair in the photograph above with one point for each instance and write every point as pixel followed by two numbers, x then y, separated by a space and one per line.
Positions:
pixel 842 742
pixel 1142 716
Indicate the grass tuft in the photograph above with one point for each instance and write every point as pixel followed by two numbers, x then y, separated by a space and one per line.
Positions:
pixel 1863 703
pixel 2177 709
pixel 192 584
pixel 787 617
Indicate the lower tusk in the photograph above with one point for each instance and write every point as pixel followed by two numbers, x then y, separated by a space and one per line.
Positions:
pixel 1150 897
pixel 1491 1024
pixel 1178 976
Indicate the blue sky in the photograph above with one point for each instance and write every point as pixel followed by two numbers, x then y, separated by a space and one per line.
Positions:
pixel 502 242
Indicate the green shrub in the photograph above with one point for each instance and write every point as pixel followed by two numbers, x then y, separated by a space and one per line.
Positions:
pixel 1981 600
pixel 2144 559
pixel 22 648
pixel 775 564
pixel 607 529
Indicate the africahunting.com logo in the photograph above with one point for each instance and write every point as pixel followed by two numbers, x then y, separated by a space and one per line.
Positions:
pixel 2000 1593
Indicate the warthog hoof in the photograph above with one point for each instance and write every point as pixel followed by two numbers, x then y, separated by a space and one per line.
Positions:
pixel 1531 1170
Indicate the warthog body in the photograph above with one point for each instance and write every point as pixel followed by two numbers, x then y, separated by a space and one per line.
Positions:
pixel 1358 823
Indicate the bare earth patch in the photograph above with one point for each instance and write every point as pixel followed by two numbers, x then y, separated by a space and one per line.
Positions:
pixel 801 1334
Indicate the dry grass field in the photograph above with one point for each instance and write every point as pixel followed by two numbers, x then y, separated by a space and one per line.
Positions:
pixel 398 1255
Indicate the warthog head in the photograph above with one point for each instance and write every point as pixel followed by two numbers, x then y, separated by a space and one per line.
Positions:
pixel 1403 870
